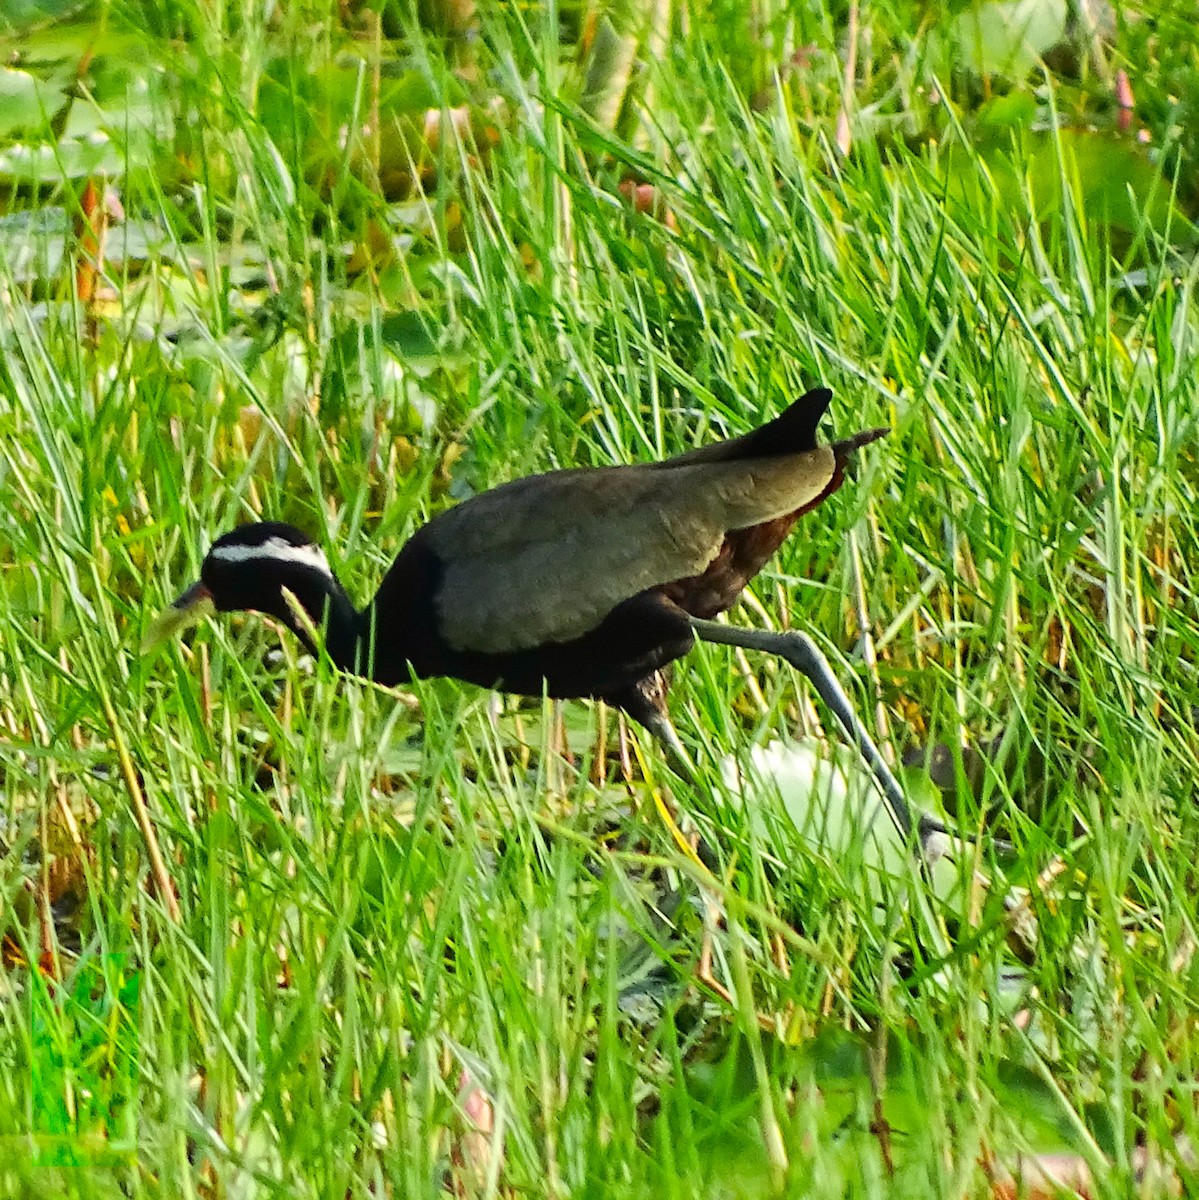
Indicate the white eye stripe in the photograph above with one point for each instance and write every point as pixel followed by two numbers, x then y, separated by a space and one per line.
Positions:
pixel 274 550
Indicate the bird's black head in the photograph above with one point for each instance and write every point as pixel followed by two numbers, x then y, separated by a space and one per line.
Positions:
pixel 270 568
pixel 249 568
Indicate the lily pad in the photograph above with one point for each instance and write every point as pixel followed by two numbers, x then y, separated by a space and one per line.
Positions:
pixel 26 102
pixel 17 15
pixel 1112 180
pixel 831 805
pixel 1007 37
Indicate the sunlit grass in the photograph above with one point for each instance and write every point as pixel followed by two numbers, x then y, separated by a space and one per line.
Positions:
pixel 380 899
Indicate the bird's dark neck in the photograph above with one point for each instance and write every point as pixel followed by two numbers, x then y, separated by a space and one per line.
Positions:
pixel 394 638
pixel 337 623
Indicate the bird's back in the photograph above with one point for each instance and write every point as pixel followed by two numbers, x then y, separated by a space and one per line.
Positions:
pixel 547 557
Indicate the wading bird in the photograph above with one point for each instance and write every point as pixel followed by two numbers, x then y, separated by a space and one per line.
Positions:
pixel 575 583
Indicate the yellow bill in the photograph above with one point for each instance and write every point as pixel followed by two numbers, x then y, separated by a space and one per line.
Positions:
pixel 193 606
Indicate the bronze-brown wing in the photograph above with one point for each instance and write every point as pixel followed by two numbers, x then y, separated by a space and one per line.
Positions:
pixel 546 558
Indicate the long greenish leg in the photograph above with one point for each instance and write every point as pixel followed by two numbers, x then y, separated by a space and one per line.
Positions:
pixel 660 726
pixel 802 653
pixel 643 702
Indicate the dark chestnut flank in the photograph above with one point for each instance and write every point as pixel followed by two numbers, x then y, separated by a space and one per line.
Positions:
pixel 573 583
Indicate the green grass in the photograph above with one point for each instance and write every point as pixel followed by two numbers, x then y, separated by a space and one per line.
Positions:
pixel 322 314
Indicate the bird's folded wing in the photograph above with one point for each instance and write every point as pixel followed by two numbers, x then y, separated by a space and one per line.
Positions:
pixel 546 558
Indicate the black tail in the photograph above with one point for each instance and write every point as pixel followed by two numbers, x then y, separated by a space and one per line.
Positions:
pixel 791 432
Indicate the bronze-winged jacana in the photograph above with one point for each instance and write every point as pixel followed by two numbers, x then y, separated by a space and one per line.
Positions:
pixel 574 583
